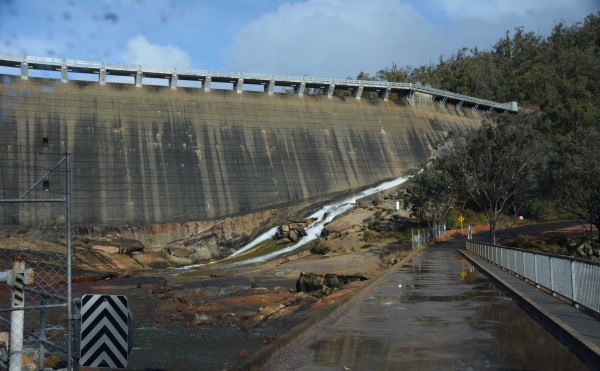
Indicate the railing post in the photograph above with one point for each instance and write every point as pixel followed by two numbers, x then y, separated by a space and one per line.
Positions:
pixel 573 283
pixel 551 275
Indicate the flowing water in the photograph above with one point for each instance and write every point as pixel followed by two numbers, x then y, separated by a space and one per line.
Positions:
pixel 323 216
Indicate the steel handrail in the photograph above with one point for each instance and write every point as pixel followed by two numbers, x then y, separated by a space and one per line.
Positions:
pixel 135 68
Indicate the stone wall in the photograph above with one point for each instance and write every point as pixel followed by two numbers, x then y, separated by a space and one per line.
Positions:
pixel 156 155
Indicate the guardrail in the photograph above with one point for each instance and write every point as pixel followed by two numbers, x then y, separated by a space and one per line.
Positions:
pixel 574 279
pixel 167 71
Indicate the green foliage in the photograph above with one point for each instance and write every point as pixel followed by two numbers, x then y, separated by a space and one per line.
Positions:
pixel 552 246
pixel 497 165
pixel 429 195
pixel 538 209
pixel 559 74
pixel 575 173
pixel 319 249
pixel 522 163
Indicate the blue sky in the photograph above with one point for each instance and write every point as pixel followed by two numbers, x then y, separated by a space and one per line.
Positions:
pixel 329 38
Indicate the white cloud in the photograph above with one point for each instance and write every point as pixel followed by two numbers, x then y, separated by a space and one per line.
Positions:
pixel 141 51
pixel 496 10
pixel 335 38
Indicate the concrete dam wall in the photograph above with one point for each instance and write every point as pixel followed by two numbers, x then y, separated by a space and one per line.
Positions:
pixel 146 155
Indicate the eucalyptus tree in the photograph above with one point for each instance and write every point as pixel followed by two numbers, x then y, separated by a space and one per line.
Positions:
pixel 430 195
pixel 576 176
pixel 498 164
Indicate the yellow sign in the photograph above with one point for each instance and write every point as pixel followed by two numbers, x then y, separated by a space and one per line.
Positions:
pixel 461 218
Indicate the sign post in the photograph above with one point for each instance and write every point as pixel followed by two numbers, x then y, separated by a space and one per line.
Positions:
pixel 461 219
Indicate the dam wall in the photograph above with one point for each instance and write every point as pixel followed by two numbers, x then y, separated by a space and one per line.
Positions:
pixel 152 154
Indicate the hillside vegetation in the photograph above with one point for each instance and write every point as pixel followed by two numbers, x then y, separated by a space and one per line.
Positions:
pixel 543 162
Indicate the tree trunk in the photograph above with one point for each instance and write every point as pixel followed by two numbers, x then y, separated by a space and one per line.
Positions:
pixel 493 229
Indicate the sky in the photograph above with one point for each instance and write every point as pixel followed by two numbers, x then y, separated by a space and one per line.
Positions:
pixel 321 38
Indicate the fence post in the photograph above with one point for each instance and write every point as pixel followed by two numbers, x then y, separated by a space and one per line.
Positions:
pixel 17 315
pixel 575 297
pixel 42 353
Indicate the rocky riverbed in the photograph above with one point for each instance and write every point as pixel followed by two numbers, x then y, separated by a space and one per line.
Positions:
pixel 229 309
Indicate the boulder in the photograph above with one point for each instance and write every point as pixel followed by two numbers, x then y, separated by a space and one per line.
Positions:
pixel 180 251
pixel 227 319
pixel 106 249
pixel 319 285
pixel 308 282
pixel 203 319
pixel 294 236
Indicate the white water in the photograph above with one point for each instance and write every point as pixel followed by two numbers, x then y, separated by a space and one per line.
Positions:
pixel 323 216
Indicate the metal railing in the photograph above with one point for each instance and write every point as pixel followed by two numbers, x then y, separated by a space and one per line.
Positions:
pixel 575 279
pixel 133 68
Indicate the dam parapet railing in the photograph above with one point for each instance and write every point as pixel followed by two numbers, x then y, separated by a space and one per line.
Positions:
pixel 573 279
pixel 383 89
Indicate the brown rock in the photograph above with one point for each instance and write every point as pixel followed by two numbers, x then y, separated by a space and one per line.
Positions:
pixel 203 319
pixel 243 353
pixel 251 322
pixel 227 319
pixel 180 251
pixel 106 249
pixel 51 361
pixel 294 235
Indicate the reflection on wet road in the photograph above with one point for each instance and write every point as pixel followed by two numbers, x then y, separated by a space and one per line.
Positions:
pixel 437 312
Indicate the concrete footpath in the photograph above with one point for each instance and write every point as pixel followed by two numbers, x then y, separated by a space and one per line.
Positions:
pixel 573 327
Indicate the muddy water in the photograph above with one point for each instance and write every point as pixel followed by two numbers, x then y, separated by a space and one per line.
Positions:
pixel 436 313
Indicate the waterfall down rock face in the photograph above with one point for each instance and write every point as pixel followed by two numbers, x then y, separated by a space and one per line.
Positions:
pixel 148 155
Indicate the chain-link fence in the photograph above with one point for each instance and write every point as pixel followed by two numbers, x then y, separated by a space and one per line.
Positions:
pixel 41 308
pixel 424 236
pixel 35 287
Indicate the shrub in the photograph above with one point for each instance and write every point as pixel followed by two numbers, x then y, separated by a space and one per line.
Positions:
pixel 319 249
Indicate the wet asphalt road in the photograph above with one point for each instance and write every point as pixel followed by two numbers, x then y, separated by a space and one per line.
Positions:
pixel 435 313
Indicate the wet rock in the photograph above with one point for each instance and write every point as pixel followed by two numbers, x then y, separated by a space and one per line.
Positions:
pixel 294 236
pixel 227 319
pixel 203 319
pixel 293 230
pixel 319 285
pixel 308 282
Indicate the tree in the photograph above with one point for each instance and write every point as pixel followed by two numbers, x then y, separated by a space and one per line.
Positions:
pixel 496 165
pixel 576 174
pixel 430 195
